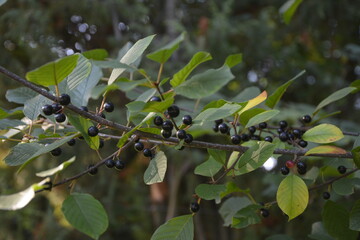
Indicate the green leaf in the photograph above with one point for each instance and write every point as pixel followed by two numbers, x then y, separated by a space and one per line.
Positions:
pixel 323 133
pixel 218 155
pixel 2 2
pixel 210 191
pixel 20 95
pixel 355 84
pixel 32 107
pixel 131 56
pixel 8 113
pixel 231 206
pixel 21 199
pixel 196 60
pixel 114 64
pixel 54 72
pixel 86 214
pixel 22 152
pixel 208 168
pixel 255 157
pixel 82 125
pixel 326 149
pixel 248 114
pixel 233 60
pixel 354 223
pixel 178 228
pixel 246 216
pixel 232 159
pixel 205 84
pixel 80 73
pixel 57 169
pixel 292 196
pixel 274 98
pixel 10 123
pixel 156 170
pixel 151 130
pixel 288 9
pixel 261 117
pixel 335 218
pixel 246 94
pixel 356 156
pixel 334 97
pixel 96 54
pixel 343 186
pixel 158 107
pixel 318 232
pixel 224 111
pixel 164 53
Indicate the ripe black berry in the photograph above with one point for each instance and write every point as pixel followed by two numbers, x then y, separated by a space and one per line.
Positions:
pixel 56 108
pixel 264 212
pixel 290 136
pixel 155 99
pixel 194 207
pixel 283 124
pixel 109 106
pixel 92 170
pixel 84 108
pixel 158 121
pixel 47 109
pixel 101 143
pixel 297 133
pixel 188 138
pixel 219 121
pixel 139 146
pixel 283 136
pixel 306 119
pixel 173 111
pixel 110 163
pixel 56 152
pixel 223 128
pixel 301 171
pixel 167 125
pixel 263 125
pixel 119 164
pixel 187 120
pixel 60 117
pixel 268 139
pixel 301 165
pixel 303 143
pixel 215 128
pixel 147 152
pixel 166 133
pixel 93 131
pixel 71 142
pixel 252 129
pixel 181 134
pixel 64 99
pixel 326 195
pixel 245 137
pixel 341 169
pixel 284 170
pixel 235 139
pixel 280 130
pixel 255 137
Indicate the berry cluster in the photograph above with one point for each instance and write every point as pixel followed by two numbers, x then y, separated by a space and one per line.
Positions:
pixel 57 108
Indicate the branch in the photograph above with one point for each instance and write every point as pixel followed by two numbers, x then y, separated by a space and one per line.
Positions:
pixel 153 137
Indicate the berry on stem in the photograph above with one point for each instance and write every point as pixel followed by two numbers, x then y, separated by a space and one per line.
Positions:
pixel 223 128
pixel 326 195
pixel 167 125
pixel 119 164
pixel 71 142
pixel 194 207
pixel 147 152
pixel 283 124
pixel 181 134
pixel 289 164
pixel 47 109
pixel 139 146
pixel 56 152
pixel 110 163
pixel 166 133
pixel 173 111
pixel 93 131
pixel 245 137
pixel 158 121
pixel 263 125
pixel 235 139
pixel 283 136
pixel 92 170
pixel 101 143
pixel 187 119
pixel 219 121
pixel 297 133
pixel 109 106
pixel 284 170
pixel 252 129
pixel 64 99
pixel 264 212
pixel 155 99
pixel 188 138
pixel 303 143
pixel 268 139
pixel 306 119
pixel 60 117
pixel 56 108
pixel 341 169
pixel 215 128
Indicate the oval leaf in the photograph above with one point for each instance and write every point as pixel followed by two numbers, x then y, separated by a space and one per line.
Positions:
pixel 261 117
pixel 288 9
pixel 178 228
pixel 210 191
pixel 323 133
pixel 292 196
pixel 326 149
pixel 334 97
pixel 255 101
pixel 86 214
pixel 156 170
pixel 57 169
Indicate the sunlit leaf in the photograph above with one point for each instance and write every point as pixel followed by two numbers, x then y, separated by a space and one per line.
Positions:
pixel 326 149
pixel 82 125
pixel 323 133
pixel 254 102
pixel 156 170
pixel 178 228
pixel 233 60
pixel 261 117
pixel 80 73
pixel 208 168
pixel 96 54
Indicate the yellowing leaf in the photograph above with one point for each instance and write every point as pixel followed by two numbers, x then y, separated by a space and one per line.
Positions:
pixel 326 149
pixel 323 133
pixel 292 196
pixel 255 101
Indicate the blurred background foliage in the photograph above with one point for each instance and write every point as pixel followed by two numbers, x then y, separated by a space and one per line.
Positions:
pixel 322 38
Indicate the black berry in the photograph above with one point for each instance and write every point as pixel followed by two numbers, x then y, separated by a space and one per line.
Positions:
pixel 84 108
pixel 255 137
pixel 155 99
pixel 60 117
pixel 71 142
pixel 268 139
pixel 194 207
pixel 188 138
pixel 215 128
pixel 283 124
pixel 284 170
pixel 264 212
pixel 263 125
pixel 223 128
pixel 219 121
pixel 56 108
pixel 235 139
pixel 290 136
pixel 181 134
pixel 92 170
pixel 252 129
pixel 56 152
pixel 139 146
pixel 280 130
pixel 283 136
pixel 93 131
pixel 119 164
pixel 147 152
pixel 341 169
pixel 326 195
pixel 167 125
pixel 158 121
pixel 301 165
pixel 110 163
pixel 306 119
pixel 297 133
pixel 245 137
pixel 109 106
pixel 47 109
pixel 301 171
pixel 303 143
pixel 173 111
pixel 166 133
pixel 187 120
pixel 64 99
